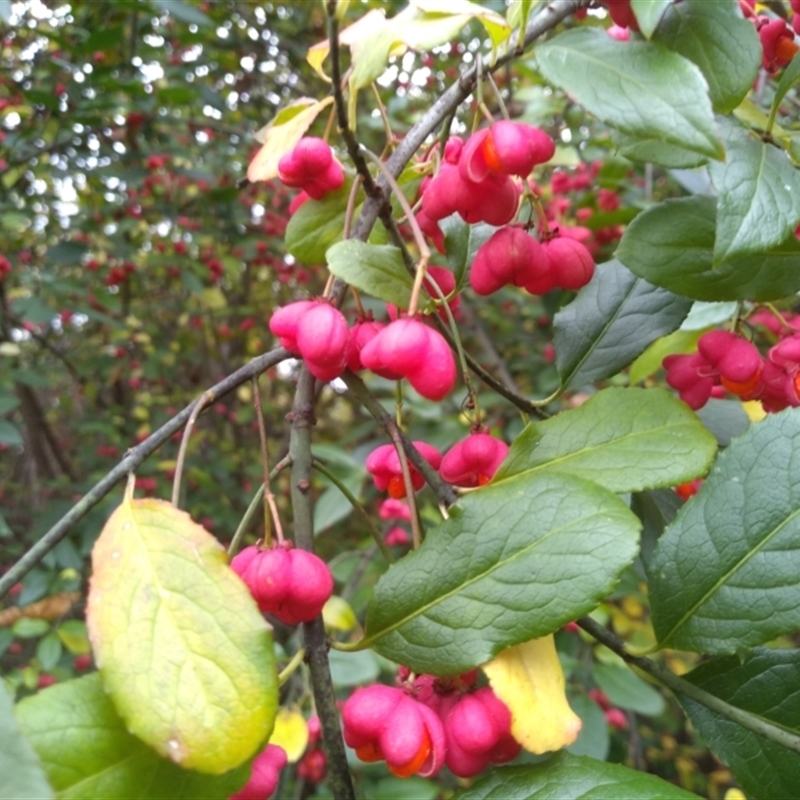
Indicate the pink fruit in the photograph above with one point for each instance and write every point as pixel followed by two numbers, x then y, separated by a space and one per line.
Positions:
pixel 509 257
pixel 409 348
pixel 383 464
pixel 473 461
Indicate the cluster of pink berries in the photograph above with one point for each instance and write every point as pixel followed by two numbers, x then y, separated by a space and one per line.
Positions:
pixel 312 168
pixel 469 463
pixel 291 584
pixel 726 361
pixel 777 38
pixel 405 348
pixel 426 722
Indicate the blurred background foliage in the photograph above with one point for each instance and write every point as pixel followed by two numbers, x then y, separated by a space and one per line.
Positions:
pixel 138 267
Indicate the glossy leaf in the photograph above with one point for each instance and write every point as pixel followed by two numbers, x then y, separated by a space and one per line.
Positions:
pixel 649 13
pixel 23 778
pixel 724 46
pixel 514 562
pixel 569 777
pixel 377 270
pixel 87 751
pixel 624 439
pixel 627 690
pixel 610 323
pixel 672 245
pixel 759 196
pixel 184 654
pixel 462 242
pixel 639 87
pixel 726 574
pixel 766 683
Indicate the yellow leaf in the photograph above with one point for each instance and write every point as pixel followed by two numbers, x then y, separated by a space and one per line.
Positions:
pixel 290 733
pixel 338 615
pixel 281 135
pixel 528 678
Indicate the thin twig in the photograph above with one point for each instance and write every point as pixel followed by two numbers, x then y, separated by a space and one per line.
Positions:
pixel 204 400
pixel 132 459
pixel 669 679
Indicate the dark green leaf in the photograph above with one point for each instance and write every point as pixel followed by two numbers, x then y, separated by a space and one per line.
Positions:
pixel 759 196
pixel 627 690
pixel 316 225
pixel 624 439
pixel 514 562
pixel 648 13
pixel 87 751
pixel 726 574
pixel 184 12
pixel 766 683
pixel 611 322
pixel 568 777
pixel 672 245
pixel 724 46
pixel 639 87
pixel 375 269
pixel 23 778
pixel 9 434
pixel 462 242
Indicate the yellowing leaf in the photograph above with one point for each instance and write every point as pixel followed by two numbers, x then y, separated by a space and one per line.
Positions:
pixel 282 134
pixel 338 615
pixel 181 647
pixel 290 733
pixel 528 678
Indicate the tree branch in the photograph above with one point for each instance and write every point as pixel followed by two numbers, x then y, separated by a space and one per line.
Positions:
pixel 669 679
pixel 133 458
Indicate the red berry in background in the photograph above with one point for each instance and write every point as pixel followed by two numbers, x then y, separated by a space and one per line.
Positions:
pixel 473 461
pixel 264 775
pixel 311 167
pixel 571 263
pixel 409 348
pixel 777 41
pixel 383 464
pixel 509 257
pixel 291 584
pixel 385 723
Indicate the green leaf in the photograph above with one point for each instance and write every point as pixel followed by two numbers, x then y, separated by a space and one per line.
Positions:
pixel 648 14
pixel 611 322
pixel 672 245
pixel 23 778
pixel 568 777
pixel 766 683
pixel 514 562
pixel 375 269
pixel 724 46
pixel 462 242
pixel 726 574
pixel 184 653
pixel 639 87
pixel 48 651
pixel 316 225
pixel 624 439
pixel 9 434
pixel 758 204
pixel 184 12
pixel 789 78
pixel 87 751
pixel 627 690
pixel 653 150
